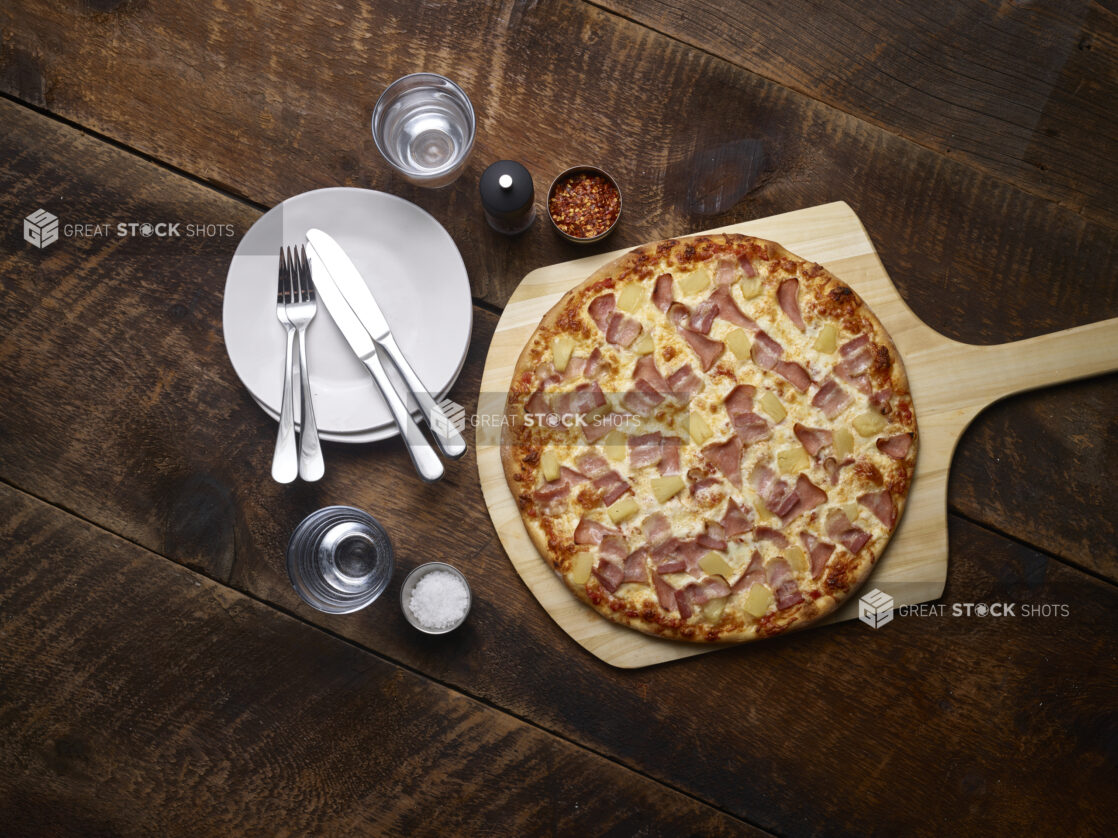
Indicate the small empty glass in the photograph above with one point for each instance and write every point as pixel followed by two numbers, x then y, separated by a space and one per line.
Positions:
pixel 339 559
pixel 424 126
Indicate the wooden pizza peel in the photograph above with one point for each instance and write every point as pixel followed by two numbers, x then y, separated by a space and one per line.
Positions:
pixel 951 383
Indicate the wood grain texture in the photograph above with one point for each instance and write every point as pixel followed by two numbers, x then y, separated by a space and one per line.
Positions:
pixel 153 701
pixel 950 384
pixel 695 141
pixel 1024 91
pixel 977 718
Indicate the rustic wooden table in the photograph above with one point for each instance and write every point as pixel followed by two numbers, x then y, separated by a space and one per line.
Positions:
pixel 158 675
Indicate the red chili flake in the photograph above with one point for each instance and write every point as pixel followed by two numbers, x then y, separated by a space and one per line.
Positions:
pixel 584 205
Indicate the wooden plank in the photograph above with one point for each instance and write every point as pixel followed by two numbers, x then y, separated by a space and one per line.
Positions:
pixel 696 143
pixel 982 746
pixel 112 352
pixel 1025 92
pixel 153 701
pixel 950 384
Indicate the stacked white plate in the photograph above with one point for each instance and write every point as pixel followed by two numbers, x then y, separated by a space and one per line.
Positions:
pixel 414 270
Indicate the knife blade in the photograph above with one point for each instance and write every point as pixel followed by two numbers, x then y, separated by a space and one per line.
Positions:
pixel 363 304
pixel 422 454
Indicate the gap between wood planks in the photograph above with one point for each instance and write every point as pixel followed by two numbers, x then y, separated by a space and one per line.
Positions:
pixel 807 94
pixel 228 192
pixel 397 663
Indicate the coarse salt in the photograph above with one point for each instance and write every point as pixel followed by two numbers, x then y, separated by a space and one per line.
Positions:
pixel 438 600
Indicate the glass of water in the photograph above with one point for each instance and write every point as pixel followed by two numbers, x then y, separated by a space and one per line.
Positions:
pixel 339 559
pixel 424 126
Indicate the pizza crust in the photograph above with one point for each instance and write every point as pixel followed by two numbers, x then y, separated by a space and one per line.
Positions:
pixel 822 298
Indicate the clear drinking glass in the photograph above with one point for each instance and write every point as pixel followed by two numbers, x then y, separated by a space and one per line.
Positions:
pixel 424 126
pixel 339 559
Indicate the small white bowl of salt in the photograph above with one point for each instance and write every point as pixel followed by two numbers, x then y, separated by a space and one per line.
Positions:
pixel 435 598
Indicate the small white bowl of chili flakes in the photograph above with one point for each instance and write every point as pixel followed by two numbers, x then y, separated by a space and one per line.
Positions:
pixel 584 204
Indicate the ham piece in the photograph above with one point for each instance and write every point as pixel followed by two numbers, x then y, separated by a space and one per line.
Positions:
pixel 812 439
pixel 896 447
pixel 831 398
pixel 601 310
pixel 726 272
pixel 819 551
pixel 591 532
pixel 795 373
pixel 740 399
pixel 736 520
pixel 665 593
pixel 788 297
pixel 646 369
pixel 765 351
pixel 592 464
pixel 751 427
pixel 662 293
pixel 728 310
pixel 656 528
pixel 636 566
pixel 714 538
pixel 642 399
pixel 726 457
pixel 702 318
pixel 810 495
pixel 708 350
pixel 667 557
pixel 746 265
pixel 551 497
pixel 784 586
pixel 622 330
pixel 779 498
pixel 669 455
pixel 882 505
pixel 537 404
pixel 613 486
pixel 713 587
pixel 645 450
pixel 609 574
pixel 683 384
pixel 678 314
pixel 769 534
pixel 613 548
pixel 593 431
pixel 841 530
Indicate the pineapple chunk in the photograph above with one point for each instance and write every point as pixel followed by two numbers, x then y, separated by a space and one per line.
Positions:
pixel 681 425
pixel 796 558
pixel 716 565
pixel 623 509
pixel 698 428
pixel 561 348
pixel 694 282
pixel 738 341
pixel 615 445
pixel 762 510
pixel 792 460
pixel 827 340
pixel 843 442
pixel 713 609
pixel 666 488
pixel 630 298
pixel 580 567
pixel 869 423
pixel 852 511
pixel 758 600
pixel 549 465
pixel 750 287
pixel 644 345
pixel 772 406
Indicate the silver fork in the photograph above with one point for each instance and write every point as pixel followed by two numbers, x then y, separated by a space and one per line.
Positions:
pixel 285 466
pixel 301 311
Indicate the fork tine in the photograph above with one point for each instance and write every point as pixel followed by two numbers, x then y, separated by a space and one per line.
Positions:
pixel 310 297
pixel 282 277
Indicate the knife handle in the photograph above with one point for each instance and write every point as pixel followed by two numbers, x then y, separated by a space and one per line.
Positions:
pixel 422 454
pixel 444 432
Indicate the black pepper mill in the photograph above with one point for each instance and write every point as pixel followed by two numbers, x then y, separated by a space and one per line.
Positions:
pixel 508 197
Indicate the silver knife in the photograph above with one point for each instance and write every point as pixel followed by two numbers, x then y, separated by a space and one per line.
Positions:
pixel 364 306
pixel 426 461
